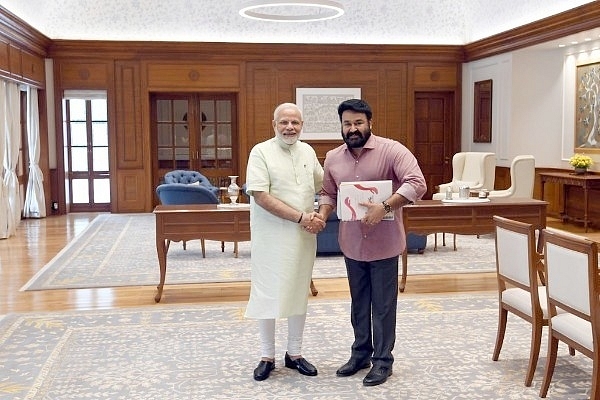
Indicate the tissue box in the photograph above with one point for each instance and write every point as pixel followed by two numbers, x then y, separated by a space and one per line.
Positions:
pixel 350 194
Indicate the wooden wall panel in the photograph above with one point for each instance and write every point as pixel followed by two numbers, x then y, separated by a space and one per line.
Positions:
pixel 14 59
pixel 129 136
pixel 33 68
pixel 130 184
pixel 192 76
pixel 4 60
pixel 435 76
pixel 74 74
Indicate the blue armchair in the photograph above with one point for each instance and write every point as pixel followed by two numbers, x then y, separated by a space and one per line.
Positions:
pixel 182 193
pixel 190 177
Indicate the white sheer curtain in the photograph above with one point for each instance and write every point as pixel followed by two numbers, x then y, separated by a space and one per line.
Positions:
pixel 3 189
pixel 35 201
pixel 11 156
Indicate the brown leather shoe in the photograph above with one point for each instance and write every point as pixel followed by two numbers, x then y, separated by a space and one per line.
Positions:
pixel 263 370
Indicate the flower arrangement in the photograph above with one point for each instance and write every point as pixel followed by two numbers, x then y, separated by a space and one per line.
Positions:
pixel 581 161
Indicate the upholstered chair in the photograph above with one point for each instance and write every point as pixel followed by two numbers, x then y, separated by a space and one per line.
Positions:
pixel 522 179
pixel 182 194
pixel 573 298
pixel 190 178
pixel 519 291
pixel 477 170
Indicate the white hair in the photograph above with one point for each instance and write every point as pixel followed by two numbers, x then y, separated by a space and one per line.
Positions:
pixel 284 106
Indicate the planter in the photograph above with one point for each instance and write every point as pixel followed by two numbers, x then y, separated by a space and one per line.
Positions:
pixel 580 171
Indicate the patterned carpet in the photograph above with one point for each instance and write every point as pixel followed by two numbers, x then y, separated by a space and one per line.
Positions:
pixel 443 351
pixel 120 250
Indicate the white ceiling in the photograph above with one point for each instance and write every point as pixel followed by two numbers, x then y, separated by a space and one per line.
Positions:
pixel 454 22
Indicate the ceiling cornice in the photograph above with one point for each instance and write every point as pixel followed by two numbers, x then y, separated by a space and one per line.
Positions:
pixel 17 31
pixel 566 23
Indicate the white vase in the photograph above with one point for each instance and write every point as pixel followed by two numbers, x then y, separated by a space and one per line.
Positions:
pixel 233 190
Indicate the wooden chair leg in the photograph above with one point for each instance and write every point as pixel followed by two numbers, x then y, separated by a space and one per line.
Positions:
pixel 203 249
pixel 550 364
pixel 454 239
pixel 223 247
pixel 502 317
pixel 184 245
pixel 435 242
pixel 235 249
pixel 313 288
pixel 534 352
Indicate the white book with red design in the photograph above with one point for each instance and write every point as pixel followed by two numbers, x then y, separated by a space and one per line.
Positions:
pixel 350 194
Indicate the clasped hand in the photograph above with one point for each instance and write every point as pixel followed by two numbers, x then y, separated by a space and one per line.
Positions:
pixel 313 222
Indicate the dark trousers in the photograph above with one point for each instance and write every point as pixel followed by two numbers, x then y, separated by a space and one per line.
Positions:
pixel 374 293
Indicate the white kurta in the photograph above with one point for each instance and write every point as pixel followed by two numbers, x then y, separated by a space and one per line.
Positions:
pixel 282 253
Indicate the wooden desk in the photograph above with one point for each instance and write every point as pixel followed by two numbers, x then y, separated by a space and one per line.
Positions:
pixel 432 216
pixel 202 221
pixel 586 181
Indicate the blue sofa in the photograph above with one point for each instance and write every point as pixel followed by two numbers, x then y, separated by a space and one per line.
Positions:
pixel 327 239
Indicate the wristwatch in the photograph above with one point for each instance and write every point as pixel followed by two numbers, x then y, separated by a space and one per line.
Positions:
pixel 386 207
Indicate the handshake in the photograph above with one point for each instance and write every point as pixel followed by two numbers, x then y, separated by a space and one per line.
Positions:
pixel 312 222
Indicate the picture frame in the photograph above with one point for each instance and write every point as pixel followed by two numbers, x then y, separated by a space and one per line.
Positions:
pixel 587 113
pixel 319 111
pixel 482 111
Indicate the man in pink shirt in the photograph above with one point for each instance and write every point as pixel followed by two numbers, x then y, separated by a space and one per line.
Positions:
pixel 372 245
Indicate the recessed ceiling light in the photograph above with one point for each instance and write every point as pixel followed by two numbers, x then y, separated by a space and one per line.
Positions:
pixel 292 11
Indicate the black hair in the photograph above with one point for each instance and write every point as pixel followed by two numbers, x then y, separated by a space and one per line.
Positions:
pixel 356 105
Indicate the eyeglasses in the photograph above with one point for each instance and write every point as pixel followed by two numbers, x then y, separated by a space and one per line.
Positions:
pixel 284 122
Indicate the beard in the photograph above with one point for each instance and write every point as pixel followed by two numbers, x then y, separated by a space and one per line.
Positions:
pixel 356 139
pixel 287 139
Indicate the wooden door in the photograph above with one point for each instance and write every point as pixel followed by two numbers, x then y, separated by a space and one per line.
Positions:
pixel 434 135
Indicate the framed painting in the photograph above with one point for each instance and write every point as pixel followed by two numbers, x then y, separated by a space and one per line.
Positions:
pixel 319 111
pixel 587 108
pixel 482 112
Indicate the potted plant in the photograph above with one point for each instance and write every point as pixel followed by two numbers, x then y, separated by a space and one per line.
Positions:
pixel 581 163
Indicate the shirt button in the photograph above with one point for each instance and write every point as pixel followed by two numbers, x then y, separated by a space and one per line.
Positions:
pixel 364 236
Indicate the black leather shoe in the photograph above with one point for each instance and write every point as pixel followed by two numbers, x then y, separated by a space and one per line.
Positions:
pixel 352 367
pixel 263 370
pixel 377 376
pixel 303 366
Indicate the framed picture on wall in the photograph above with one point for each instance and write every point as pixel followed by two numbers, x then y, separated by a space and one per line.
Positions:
pixel 319 111
pixel 587 108
pixel 482 112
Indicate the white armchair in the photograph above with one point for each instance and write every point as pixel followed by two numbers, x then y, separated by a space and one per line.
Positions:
pixel 522 178
pixel 474 169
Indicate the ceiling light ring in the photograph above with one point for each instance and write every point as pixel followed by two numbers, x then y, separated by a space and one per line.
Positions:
pixel 333 9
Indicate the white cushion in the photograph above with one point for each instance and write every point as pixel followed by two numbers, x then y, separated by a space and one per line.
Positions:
pixel 575 328
pixel 521 300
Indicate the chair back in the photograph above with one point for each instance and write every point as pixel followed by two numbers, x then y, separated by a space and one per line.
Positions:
pixel 516 258
pixel 190 177
pixel 522 176
pixel 179 193
pixel 571 270
pixel 475 169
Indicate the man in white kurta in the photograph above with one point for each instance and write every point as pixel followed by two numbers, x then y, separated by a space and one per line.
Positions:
pixel 282 178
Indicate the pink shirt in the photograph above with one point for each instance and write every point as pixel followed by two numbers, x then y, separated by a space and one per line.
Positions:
pixel 380 159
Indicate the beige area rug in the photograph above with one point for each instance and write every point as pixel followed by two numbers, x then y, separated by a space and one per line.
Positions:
pixel 120 250
pixel 443 351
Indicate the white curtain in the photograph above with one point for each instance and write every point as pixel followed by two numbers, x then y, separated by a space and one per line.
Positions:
pixel 11 156
pixel 3 189
pixel 35 201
